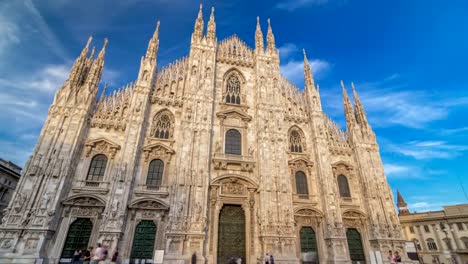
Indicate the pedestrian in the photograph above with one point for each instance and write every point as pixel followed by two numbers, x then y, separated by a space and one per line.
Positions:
pixel 76 256
pixel 267 258
pixel 115 258
pixel 194 258
pixel 239 260
pixel 272 260
pixel 96 255
pixel 104 254
pixel 87 255
pixel 397 257
pixel 391 258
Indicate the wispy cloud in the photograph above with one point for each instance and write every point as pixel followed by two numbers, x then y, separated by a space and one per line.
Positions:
pixel 391 102
pixel 424 150
pixel 293 64
pixel 295 4
pixel 10 34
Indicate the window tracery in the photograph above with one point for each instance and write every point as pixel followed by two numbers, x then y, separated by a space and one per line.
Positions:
pixel 233 90
pixel 295 142
pixel 162 125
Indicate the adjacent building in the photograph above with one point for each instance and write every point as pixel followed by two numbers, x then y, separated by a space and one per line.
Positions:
pixel 439 236
pixel 216 155
pixel 9 176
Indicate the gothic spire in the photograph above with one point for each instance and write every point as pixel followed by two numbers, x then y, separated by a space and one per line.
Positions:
pixel 153 44
pixel 348 109
pixel 80 64
pixel 402 205
pixel 308 76
pixel 259 47
pixel 102 53
pixel 198 29
pixel 361 117
pixel 211 31
pixel 271 47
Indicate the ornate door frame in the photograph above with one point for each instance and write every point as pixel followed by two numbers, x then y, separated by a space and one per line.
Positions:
pixel 233 190
pixel 310 217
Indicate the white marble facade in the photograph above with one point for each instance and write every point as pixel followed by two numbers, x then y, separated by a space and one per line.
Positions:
pixel 180 115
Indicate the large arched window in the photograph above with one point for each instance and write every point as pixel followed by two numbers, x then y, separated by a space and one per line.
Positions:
pixel 97 168
pixel 155 173
pixel 301 184
pixel 162 126
pixel 356 250
pixel 343 186
pixel 233 90
pixel 233 143
pixel 431 244
pixel 295 142
pixel 308 245
pixel 78 236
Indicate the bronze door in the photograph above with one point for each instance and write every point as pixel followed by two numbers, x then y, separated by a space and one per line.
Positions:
pixel 231 234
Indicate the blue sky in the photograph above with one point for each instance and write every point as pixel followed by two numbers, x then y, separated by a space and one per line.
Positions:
pixel 407 59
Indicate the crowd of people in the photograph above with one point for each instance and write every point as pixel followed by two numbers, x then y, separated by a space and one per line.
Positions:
pixel 97 255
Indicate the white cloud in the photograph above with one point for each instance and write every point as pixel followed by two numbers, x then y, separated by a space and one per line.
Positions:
pixel 424 150
pixel 292 5
pixel 9 32
pixel 287 50
pixel 294 69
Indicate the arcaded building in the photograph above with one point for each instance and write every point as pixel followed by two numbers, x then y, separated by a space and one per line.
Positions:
pixel 216 155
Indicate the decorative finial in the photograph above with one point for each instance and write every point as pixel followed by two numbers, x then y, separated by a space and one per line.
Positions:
pixel 89 41
pixel 212 9
pixel 352 86
pixel 304 52
pixel 268 21
pixel 258 20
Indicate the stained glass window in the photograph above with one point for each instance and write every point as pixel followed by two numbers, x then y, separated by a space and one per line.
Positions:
pixel 356 250
pixel 301 184
pixel 343 186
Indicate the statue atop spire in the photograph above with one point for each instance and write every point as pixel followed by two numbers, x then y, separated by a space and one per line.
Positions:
pixel 271 47
pixel 308 76
pixel 259 46
pixel 211 31
pixel 153 44
pixel 102 53
pixel 198 29
pixel 361 117
pixel 348 109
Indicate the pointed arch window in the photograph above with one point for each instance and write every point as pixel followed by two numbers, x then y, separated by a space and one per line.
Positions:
pixel 295 142
pixel 97 168
pixel 233 90
pixel 162 126
pixel 155 173
pixel 301 185
pixel 232 144
pixel 343 186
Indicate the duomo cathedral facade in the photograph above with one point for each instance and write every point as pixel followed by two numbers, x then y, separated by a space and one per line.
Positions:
pixel 216 155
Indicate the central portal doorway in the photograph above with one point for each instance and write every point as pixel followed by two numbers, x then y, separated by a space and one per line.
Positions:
pixel 231 234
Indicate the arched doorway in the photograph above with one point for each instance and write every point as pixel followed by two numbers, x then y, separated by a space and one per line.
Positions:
pixel 143 241
pixel 356 250
pixel 309 252
pixel 77 237
pixel 231 234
